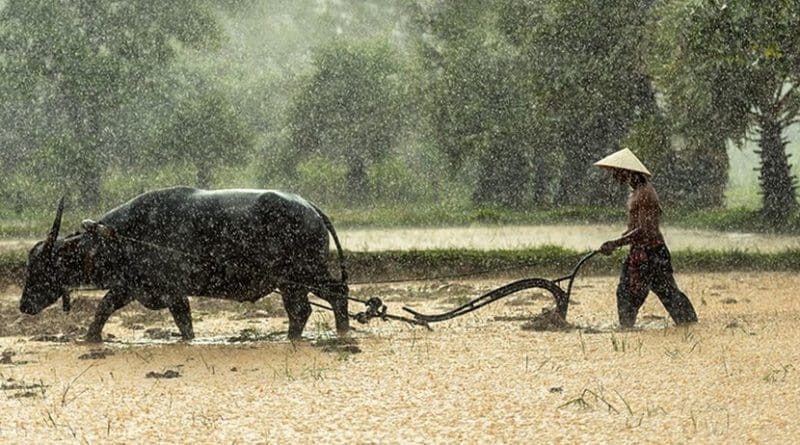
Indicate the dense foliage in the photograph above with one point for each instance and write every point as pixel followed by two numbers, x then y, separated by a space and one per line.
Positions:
pixel 500 104
pixel 730 69
pixel 77 64
pixel 348 110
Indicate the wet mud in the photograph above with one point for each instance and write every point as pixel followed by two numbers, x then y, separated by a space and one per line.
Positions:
pixel 506 373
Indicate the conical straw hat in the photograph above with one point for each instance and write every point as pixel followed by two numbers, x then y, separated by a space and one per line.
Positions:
pixel 625 160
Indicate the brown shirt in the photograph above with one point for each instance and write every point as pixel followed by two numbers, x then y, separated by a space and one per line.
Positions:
pixel 644 213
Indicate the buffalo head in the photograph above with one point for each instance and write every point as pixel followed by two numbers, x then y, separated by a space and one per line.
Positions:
pixel 44 283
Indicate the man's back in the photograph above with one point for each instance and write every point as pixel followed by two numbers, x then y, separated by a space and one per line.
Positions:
pixel 644 213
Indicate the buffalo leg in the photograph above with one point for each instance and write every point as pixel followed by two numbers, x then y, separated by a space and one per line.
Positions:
pixel 111 302
pixel 182 314
pixel 335 293
pixel 339 305
pixel 298 309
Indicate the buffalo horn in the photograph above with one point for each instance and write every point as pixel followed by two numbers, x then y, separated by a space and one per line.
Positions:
pixel 50 241
pixel 53 235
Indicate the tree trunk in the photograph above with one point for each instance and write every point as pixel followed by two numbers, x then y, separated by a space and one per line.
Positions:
pixel 542 182
pixel 90 170
pixel 356 180
pixel 777 181
pixel 572 184
pixel 714 168
pixel 581 183
pixel 696 175
pixel 90 185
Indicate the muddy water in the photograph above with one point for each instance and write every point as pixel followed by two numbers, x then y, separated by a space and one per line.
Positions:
pixel 732 378
pixel 578 237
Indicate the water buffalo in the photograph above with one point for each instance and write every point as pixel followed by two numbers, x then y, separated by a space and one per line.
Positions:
pixel 165 245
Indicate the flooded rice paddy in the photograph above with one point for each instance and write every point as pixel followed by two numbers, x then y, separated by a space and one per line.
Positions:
pixel 580 237
pixel 732 378
pixel 577 237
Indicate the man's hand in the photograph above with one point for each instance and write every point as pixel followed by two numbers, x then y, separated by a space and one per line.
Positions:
pixel 607 248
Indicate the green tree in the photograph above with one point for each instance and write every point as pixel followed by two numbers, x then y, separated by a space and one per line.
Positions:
pixel 730 69
pixel 347 109
pixel 585 69
pixel 83 59
pixel 481 113
pixel 205 132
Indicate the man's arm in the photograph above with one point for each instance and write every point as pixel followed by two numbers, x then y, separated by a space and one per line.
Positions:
pixel 624 240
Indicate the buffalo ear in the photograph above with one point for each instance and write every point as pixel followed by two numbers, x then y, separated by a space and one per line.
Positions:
pixel 89 225
pixel 101 229
pixel 106 232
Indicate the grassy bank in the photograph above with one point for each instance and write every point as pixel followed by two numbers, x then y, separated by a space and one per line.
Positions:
pixel 547 262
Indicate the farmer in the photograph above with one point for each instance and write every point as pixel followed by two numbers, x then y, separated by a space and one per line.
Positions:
pixel 648 265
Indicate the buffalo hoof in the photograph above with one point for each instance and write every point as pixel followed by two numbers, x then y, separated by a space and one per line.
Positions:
pixel 294 335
